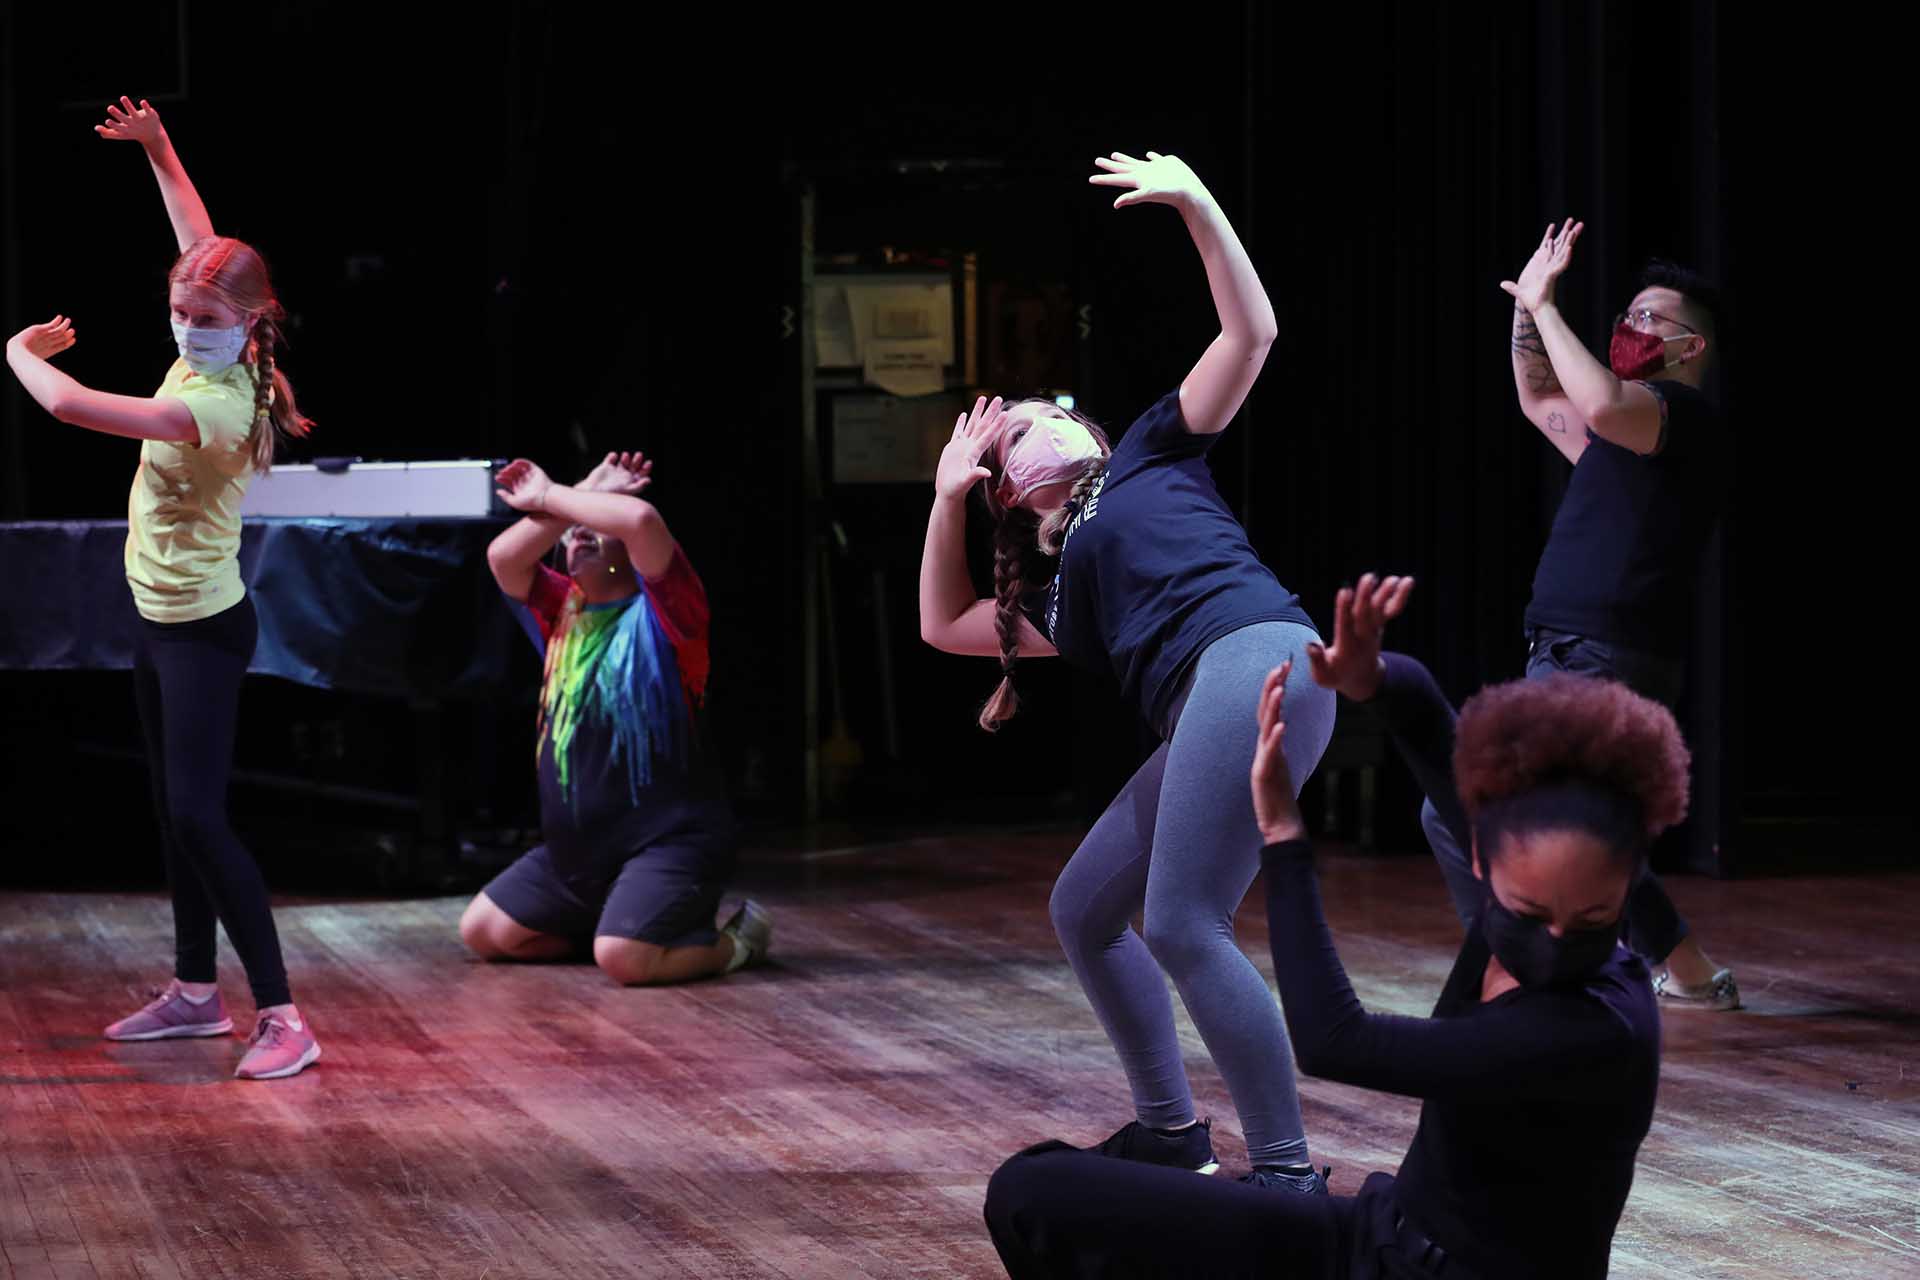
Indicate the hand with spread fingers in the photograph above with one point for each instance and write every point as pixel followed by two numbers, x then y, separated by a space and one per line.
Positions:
pixel 523 486
pixel 128 123
pixel 1534 289
pixel 45 341
pixel 1352 664
pixel 1156 180
pixel 959 468
pixel 620 472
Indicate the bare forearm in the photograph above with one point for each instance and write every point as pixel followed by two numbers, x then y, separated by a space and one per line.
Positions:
pixel 617 515
pixel 634 521
pixel 1246 313
pixel 1589 385
pixel 513 555
pixel 132 417
pixel 946 591
pixel 184 208
pixel 1533 375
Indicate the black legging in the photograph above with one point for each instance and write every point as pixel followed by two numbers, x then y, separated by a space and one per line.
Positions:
pixel 186 681
pixel 1056 1211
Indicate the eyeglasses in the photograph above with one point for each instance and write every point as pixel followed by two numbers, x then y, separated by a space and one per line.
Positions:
pixel 1644 317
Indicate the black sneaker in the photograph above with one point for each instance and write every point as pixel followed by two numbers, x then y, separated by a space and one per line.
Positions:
pixel 1188 1148
pixel 1306 1184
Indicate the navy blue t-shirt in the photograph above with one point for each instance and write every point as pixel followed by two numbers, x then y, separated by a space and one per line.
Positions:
pixel 1155 567
pixel 1620 561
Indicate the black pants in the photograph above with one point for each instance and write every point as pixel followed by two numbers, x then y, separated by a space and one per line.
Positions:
pixel 186 682
pixel 1057 1211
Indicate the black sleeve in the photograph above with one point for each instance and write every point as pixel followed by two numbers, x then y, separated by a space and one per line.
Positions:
pixel 1420 720
pixel 1689 423
pixel 1545 1044
pixel 1160 434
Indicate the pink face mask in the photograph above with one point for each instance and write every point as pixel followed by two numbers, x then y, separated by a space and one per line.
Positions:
pixel 1053 451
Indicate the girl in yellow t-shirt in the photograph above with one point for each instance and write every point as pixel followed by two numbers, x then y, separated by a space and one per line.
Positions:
pixel 205 434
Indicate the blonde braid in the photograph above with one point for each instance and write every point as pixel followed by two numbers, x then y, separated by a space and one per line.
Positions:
pixel 265 335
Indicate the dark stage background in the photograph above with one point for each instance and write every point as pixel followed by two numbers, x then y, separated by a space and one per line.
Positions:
pixel 527 230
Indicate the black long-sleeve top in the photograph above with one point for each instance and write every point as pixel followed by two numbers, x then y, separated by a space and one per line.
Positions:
pixel 1535 1103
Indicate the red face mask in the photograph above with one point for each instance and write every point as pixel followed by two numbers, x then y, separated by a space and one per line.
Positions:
pixel 1634 355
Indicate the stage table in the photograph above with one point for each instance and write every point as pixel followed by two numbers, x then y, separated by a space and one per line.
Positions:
pixel 399 607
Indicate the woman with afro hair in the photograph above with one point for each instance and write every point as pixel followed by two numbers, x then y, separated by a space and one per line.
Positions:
pixel 1536 1070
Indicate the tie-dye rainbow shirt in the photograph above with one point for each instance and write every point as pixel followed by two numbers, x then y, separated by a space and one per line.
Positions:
pixel 617 739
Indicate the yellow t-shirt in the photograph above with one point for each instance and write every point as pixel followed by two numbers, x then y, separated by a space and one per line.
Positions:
pixel 183 516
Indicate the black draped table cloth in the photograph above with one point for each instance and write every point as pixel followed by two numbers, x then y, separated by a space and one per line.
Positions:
pixel 401 607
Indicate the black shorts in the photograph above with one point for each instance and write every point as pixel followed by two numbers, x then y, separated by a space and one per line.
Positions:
pixel 666 894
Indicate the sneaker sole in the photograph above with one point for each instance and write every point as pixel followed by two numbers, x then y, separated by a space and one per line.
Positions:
pixel 177 1033
pixel 1697 1002
pixel 307 1059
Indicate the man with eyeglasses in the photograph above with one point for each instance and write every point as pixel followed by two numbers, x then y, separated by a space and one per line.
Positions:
pixel 1612 595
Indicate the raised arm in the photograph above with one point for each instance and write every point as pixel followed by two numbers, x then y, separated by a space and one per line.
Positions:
pixel 134 417
pixel 952 618
pixel 1400 690
pixel 141 124
pixel 513 555
pixel 1548 1046
pixel 526 488
pixel 1542 400
pixel 1552 1046
pixel 516 552
pixel 1624 413
pixel 1216 386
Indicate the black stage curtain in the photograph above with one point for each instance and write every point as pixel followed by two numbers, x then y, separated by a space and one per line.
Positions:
pixel 555 235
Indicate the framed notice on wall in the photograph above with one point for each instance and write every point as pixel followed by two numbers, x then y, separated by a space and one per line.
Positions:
pixel 896 328
pixel 883 439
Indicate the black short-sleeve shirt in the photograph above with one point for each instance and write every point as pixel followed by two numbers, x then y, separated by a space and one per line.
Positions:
pixel 1620 562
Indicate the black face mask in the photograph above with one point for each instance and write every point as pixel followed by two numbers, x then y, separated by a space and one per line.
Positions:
pixel 1538 959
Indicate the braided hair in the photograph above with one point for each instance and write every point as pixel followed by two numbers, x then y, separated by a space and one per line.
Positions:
pixel 236 274
pixel 1017 536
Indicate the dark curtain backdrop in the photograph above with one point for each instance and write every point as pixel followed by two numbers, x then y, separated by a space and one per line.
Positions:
pixel 534 230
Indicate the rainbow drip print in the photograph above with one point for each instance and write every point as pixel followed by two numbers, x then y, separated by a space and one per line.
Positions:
pixel 614 665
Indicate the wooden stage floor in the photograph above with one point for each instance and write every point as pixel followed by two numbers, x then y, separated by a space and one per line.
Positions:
pixel 837 1114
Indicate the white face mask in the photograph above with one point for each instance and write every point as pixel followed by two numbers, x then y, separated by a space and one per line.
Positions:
pixel 1052 451
pixel 208 351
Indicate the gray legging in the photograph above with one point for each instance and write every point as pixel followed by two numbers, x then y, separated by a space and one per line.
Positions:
pixel 1180 838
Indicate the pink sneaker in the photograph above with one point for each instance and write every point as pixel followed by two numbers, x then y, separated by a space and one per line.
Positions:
pixel 171 1014
pixel 282 1045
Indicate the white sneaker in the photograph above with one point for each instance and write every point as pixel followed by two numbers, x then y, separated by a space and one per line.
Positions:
pixel 751 928
pixel 1718 993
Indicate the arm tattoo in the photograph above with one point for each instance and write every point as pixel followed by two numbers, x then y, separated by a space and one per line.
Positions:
pixel 1530 355
pixel 1526 335
pixel 1541 379
pixel 1557 423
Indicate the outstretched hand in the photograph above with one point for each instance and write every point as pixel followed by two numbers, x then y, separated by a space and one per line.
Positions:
pixel 523 486
pixel 1156 180
pixel 1534 289
pixel 46 340
pixel 128 123
pixel 1360 615
pixel 1274 807
pixel 629 473
pixel 959 468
